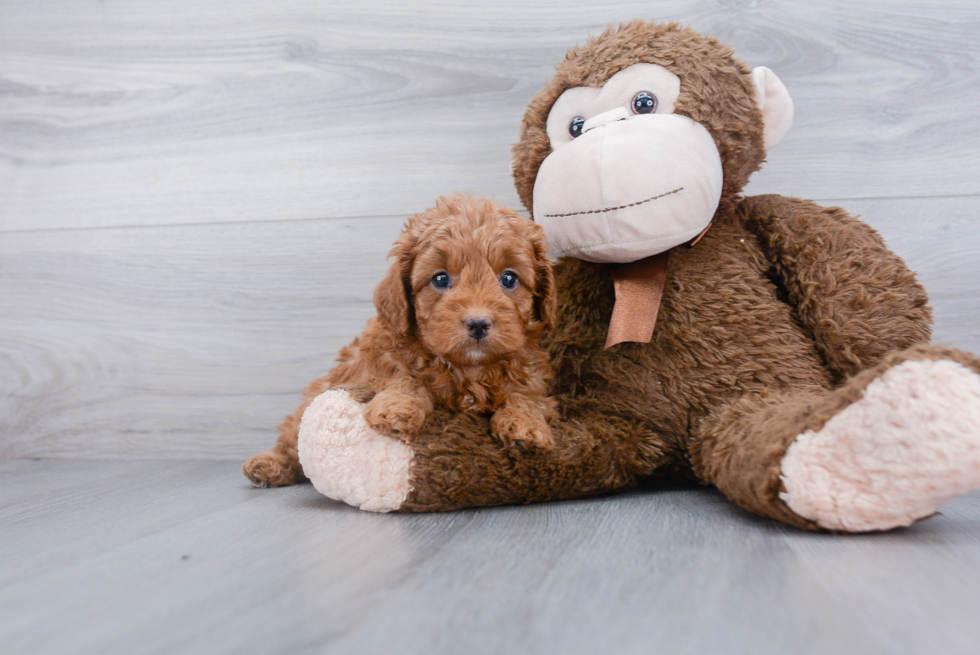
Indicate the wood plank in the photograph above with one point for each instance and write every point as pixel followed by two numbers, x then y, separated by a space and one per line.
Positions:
pixel 132 340
pixel 940 240
pixel 73 496
pixel 194 341
pixel 908 564
pixel 157 557
pixel 145 112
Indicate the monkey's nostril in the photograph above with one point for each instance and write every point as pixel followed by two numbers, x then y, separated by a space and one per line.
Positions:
pixel 477 327
pixel 611 116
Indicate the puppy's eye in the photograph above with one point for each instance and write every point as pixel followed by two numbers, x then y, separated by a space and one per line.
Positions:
pixel 644 102
pixel 575 127
pixel 441 280
pixel 508 280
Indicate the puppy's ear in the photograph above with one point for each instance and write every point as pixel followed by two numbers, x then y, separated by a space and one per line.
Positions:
pixel 545 296
pixel 393 296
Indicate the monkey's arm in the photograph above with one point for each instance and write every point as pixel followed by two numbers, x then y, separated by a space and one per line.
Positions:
pixel 859 298
pixel 458 463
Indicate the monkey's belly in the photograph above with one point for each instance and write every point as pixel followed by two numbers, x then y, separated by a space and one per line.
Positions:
pixel 723 332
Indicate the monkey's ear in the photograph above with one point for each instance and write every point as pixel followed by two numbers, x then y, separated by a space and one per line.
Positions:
pixel 392 300
pixel 776 105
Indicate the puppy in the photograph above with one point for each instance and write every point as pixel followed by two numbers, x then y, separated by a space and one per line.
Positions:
pixel 459 316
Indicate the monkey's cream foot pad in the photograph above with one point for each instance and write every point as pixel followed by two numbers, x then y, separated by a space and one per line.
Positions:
pixel 909 445
pixel 347 460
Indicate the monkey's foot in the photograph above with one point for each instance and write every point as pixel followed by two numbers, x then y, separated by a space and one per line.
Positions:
pixel 348 461
pixel 911 443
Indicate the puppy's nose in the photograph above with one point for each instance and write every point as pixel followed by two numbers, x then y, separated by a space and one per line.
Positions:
pixel 477 327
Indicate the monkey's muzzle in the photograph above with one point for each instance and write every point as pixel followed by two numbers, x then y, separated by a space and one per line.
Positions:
pixel 628 189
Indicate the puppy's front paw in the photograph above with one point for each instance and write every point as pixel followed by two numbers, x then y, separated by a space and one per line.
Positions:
pixel 523 429
pixel 398 417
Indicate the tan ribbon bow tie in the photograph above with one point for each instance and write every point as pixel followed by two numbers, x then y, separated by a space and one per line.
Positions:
pixel 639 289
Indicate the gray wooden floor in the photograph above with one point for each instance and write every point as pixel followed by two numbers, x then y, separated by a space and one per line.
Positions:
pixel 165 556
pixel 196 199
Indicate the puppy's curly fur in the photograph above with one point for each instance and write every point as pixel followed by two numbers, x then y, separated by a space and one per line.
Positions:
pixel 453 328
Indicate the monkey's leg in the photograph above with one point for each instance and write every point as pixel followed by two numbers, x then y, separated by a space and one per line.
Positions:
pixel 456 462
pixel 885 449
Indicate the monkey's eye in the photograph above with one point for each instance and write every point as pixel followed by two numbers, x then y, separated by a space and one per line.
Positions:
pixel 508 280
pixel 644 102
pixel 441 280
pixel 575 127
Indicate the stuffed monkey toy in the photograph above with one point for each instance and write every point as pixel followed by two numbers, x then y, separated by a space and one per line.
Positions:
pixel 765 345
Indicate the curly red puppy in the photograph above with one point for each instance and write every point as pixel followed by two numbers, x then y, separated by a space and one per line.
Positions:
pixel 459 316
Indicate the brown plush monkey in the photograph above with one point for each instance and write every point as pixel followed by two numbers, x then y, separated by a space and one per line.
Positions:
pixel 788 365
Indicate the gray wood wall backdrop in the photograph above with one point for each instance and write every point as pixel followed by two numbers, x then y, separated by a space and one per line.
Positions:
pixel 196 196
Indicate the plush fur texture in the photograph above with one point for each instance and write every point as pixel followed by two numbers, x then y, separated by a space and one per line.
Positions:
pixel 422 349
pixel 354 463
pixel 777 322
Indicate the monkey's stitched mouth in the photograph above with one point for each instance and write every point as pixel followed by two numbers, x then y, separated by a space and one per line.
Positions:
pixel 609 209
